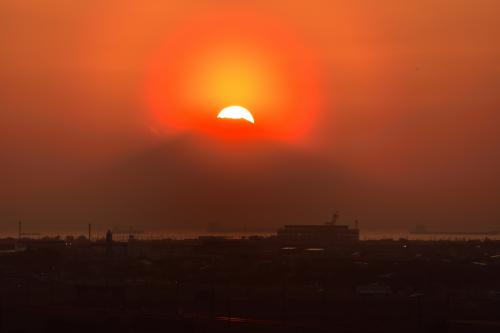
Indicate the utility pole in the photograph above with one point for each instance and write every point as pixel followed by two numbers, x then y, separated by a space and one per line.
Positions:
pixel 19 229
pixel 90 229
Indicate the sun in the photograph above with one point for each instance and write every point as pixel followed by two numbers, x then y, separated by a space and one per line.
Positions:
pixel 236 112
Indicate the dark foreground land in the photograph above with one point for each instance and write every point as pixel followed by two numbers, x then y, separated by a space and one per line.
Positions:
pixel 249 285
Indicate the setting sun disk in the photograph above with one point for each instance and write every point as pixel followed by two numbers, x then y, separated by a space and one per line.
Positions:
pixel 236 112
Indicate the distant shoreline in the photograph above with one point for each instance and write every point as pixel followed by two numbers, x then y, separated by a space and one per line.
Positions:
pixel 183 235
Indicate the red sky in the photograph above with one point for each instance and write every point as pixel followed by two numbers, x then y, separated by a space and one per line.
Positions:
pixel 384 110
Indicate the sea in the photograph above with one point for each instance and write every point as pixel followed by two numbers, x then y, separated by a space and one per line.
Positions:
pixel 97 234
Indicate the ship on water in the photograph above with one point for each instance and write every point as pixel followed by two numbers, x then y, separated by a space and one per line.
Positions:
pixel 422 230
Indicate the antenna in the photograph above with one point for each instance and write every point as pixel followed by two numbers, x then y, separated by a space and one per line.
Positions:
pixel 335 217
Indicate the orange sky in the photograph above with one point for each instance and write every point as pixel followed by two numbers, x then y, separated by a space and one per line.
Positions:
pixel 384 110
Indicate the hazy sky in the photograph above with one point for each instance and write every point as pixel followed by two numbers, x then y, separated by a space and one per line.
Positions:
pixel 407 130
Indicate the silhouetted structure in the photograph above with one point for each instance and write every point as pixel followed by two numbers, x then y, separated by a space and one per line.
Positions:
pixel 250 284
pixel 109 242
pixel 323 233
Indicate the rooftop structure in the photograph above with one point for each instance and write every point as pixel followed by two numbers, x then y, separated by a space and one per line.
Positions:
pixel 325 233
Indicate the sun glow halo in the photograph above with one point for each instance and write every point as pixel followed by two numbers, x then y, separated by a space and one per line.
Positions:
pixel 222 59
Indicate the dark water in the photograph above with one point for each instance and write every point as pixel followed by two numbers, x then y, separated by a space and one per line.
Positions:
pixel 179 234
